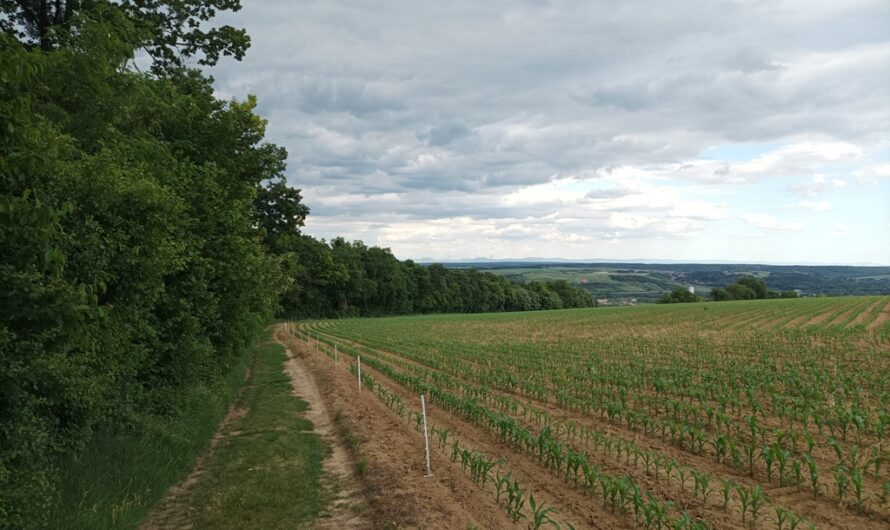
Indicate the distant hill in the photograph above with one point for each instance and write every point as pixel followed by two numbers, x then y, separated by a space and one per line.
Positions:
pixel 646 281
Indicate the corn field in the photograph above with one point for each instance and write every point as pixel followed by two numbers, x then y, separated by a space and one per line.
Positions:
pixel 760 414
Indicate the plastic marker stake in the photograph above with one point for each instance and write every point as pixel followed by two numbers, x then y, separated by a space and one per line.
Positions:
pixel 426 436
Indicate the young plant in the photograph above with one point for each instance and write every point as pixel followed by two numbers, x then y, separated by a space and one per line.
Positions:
pixel 768 454
pixel 782 459
pixel 683 521
pixel 841 481
pixel 885 493
pixel 682 475
pixel 796 469
pixel 442 435
pixel 814 472
pixel 781 517
pixel 702 484
pixel 745 499
pixel 728 486
pixel 757 500
pixel 541 514
pixel 856 478
pixel 500 484
pixel 515 500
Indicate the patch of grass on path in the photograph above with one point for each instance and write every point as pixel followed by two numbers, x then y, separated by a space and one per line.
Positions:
pixel 267 475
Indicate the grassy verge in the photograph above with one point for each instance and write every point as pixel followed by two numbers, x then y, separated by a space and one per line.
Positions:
pixel 119 477
pixel 266 476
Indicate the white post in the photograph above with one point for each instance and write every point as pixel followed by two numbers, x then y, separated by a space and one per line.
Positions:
pixel 426 436
pixel 359 358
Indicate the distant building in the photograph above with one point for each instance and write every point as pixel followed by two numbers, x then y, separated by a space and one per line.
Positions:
pixel 602 301
pixel 692 289
pixel 629 301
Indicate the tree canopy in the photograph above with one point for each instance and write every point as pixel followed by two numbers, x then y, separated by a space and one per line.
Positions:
pixel 130 259
pixel 748 288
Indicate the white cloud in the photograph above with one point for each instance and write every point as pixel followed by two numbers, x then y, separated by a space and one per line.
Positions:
pixel 769 222
pixel 873 173
pixel 818 184
pixel 841 230
pixel 516 127
pixel 817 206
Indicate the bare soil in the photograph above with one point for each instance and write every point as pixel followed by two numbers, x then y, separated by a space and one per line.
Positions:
pixel 346 509
pixel 587 512
pixel 884 316
pixel 863 316
pixel 399 495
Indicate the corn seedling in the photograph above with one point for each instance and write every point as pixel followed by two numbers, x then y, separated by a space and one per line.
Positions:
pixel 745 499
pixel 541 514
pixel 841 481
pixel 757 500
pixel 515 500
pixel 702 484
pixel 856 479
pixel 728 487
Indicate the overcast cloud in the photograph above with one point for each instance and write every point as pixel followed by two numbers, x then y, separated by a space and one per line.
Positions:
pixel 713 130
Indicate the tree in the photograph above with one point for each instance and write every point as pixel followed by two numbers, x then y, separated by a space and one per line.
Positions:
pixel 757 285
pixel 678 295
pixel 279 213
pixel 169 31
pixel 719 294
pixel 738 291
pixel 131 265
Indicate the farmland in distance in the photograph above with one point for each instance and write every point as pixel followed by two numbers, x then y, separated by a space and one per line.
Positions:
pixel 760 414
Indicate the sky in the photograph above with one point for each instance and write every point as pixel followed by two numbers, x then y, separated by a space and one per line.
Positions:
pixel 743 130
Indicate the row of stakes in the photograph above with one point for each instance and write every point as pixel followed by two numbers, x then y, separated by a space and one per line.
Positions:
pixel 358 358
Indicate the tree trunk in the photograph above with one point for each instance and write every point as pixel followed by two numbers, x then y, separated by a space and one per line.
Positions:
pixel 43 26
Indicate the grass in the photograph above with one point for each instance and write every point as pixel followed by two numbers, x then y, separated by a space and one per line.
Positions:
pixel 117 479
pixel 268 475
pixel 265 477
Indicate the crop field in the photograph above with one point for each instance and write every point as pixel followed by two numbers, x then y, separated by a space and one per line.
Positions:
pixel 761 414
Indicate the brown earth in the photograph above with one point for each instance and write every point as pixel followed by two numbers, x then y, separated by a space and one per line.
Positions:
pixel 347 508
pixel 884 316
pixel 863 316
pixel 399 495
pixel 822 510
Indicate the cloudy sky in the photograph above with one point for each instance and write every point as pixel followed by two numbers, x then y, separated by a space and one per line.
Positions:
pixel 734 130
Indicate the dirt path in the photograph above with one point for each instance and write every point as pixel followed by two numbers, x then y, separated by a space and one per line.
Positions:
pixel 346 509
pixel 399 494
pixel 173 511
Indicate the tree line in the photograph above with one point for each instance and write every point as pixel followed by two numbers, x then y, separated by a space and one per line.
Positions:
pixel 745 288
pixel 147 235
pixel 343 278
